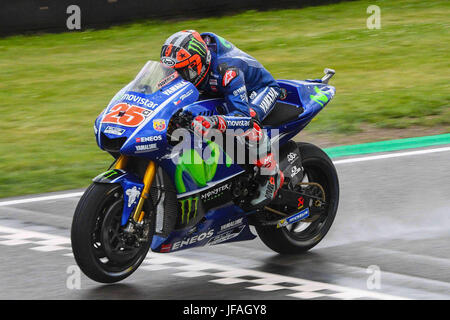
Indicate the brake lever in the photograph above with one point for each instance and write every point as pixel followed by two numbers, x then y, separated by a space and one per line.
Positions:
pixel 181 120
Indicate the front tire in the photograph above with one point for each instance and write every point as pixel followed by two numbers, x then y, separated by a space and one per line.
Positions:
pixel 96 236
pixel 288 240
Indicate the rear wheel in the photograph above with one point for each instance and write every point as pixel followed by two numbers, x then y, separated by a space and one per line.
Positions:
pixel 302 236
pixel 101 247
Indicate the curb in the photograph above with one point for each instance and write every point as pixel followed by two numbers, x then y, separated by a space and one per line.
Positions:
pixel 389 145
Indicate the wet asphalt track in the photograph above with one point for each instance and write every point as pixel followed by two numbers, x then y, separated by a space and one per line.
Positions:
pixel 394 215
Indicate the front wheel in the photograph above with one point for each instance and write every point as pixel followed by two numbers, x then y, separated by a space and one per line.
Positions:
pixel 101 247
pixel 302 236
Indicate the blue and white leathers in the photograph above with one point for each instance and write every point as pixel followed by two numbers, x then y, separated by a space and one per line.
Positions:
pixel 239 78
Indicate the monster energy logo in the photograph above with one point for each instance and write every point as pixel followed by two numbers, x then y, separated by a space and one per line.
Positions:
pixel 109 175
pixel 224 42
pixel 197 46
pixel 188 208
pixel 320 97
pixel 215 193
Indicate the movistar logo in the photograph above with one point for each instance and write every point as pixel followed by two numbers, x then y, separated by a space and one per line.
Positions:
pixel 197 46
pixel 189 208
pixel 320 97
pixel 200 171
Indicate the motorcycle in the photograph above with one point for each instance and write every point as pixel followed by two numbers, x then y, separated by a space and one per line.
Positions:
pixel 161 197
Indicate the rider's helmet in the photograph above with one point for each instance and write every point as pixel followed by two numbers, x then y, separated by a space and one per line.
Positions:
pixel 186 52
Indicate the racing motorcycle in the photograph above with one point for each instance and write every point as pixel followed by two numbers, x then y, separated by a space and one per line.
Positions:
pixel 159 196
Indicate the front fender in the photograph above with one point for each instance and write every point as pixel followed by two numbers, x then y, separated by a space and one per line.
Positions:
pixel 132 187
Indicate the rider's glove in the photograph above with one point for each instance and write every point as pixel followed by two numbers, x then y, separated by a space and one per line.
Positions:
pixel 202 124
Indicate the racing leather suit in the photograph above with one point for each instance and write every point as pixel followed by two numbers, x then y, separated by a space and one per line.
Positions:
pixel 250 93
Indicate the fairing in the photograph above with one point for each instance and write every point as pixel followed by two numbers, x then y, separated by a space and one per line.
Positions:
pixel 135 124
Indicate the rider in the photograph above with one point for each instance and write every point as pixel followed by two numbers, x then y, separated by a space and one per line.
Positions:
pixel 217 67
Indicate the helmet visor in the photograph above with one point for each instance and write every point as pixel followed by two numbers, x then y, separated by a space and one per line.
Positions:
pixel 188 73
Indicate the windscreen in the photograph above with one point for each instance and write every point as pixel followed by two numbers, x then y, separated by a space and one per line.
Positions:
pixel 153 76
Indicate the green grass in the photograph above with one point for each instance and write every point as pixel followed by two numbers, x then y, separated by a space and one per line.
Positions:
pixel 52 86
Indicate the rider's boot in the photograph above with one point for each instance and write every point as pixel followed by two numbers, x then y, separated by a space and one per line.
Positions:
pixel 270 182
pixel 270 177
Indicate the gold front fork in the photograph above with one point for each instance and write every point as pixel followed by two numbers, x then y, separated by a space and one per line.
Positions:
pixel 121 162
pixel 148 180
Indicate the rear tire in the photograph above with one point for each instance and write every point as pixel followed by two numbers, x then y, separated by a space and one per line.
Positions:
pixel 94 236
pixel 319 168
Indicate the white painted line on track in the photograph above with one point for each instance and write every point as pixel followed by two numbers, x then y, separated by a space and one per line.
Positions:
pixel 43 198
pixel 189 268
pixel 344 161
